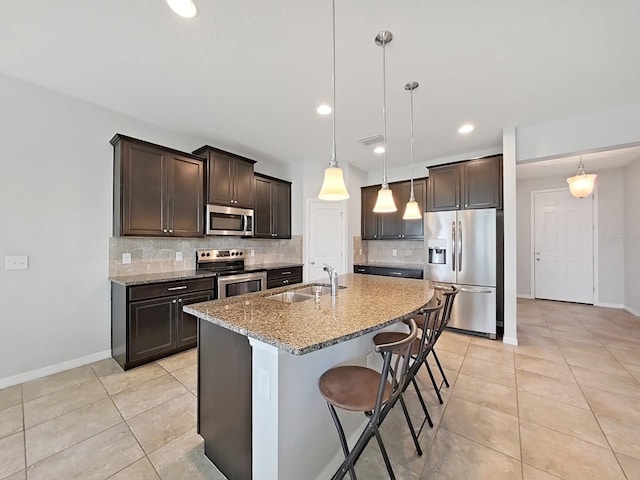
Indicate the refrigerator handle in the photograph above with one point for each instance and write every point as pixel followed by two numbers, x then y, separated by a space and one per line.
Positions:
pixel 453 244
pixel 459 249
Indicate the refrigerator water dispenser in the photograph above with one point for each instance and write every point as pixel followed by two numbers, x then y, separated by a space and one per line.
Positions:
pixel 437 251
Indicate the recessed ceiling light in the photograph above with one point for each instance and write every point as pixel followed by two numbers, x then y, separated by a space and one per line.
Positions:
pixel 466 128
pixel 324 109
pixel 184 8
pixel 379 150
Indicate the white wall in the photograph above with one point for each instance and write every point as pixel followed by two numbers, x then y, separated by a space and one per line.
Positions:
pixel 631 238
pixel 610 219
pixel 56 194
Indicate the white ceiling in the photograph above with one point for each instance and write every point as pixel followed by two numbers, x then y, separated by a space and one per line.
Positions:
pixel 568 166
pixel 248 74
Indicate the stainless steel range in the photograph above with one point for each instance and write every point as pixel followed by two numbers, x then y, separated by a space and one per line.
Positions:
pixel 233 278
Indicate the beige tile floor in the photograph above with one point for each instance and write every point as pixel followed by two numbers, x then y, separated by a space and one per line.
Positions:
pixel 561 405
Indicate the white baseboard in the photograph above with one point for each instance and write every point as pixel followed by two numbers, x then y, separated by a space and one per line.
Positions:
pixel 610 305
pixel 51 369
pixel 338 458
pixel 510 340
pixel 632 311
pixel 524 295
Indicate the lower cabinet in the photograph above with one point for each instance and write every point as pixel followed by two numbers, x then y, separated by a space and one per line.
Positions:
pixel 281 277
pixel 389 271
pixel 147 321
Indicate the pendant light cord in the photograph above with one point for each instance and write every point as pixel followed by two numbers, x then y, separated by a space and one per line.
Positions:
pixel 412 196
pixel 334 158
pixel 384 116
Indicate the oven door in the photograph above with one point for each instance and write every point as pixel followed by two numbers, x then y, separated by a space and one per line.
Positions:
pixel 233 285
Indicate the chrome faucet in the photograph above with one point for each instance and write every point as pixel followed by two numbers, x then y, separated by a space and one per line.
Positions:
pixel 333 278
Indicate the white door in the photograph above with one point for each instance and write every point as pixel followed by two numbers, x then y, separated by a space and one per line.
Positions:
pixel 563 247
pixel 325 238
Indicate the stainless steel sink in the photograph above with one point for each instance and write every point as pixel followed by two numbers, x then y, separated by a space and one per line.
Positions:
pixel 291 297
pixel 309 290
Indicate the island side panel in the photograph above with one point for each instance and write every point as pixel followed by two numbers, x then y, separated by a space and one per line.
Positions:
pixel 224 399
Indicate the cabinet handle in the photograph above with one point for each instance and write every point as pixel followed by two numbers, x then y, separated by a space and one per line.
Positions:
pixel 360 269
pixel 173 301
pixel 285 282
pixel 179 300
pixel 285 273
pixel 164 230
pixel 457 205
pixel 466 204
pixel 170 231
pixel 173 289
pixel 396 273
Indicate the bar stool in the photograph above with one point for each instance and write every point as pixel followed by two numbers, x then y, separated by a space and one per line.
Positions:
pixel 449 293
pixel 428 322
pixel 362 389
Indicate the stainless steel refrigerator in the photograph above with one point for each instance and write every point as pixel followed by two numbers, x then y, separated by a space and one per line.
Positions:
pixel 460 249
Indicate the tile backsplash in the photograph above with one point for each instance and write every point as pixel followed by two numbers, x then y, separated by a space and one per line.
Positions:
pixel 156 255
pixel 408 252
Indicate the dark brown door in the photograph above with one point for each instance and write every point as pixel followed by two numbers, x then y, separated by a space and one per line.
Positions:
pixel 243 184
pixel 444 188
pixel 483 183
pixel 143 191
pixel 369 228
pixel 185 179
pixel 282 210
pixel 152 325
pixel 221 179
pixel 262 209
pixel 187 325
pixel 414 229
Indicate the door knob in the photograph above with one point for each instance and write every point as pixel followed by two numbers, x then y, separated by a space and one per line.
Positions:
pixel 313 263
pixel 537 259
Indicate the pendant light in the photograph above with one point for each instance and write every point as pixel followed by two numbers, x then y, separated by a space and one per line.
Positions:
pixel 412 211
pixel 581 185
pixel 384 202
pixel 333 187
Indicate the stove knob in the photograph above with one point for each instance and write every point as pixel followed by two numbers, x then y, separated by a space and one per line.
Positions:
pixel 208 254
pixel 202 254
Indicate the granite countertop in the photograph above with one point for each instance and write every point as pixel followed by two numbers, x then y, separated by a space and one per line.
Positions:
pixel 146 278
pixel 412 266
pixel 367 303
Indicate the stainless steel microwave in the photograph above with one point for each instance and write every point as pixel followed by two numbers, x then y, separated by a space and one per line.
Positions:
pixel 229 221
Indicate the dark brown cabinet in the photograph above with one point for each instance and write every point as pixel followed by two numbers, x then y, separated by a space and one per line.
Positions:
pixel 281 277
pixel 229 177
pixel 147 321
pixel 400 272
pixel 466 185
pixel 272 207
pixel 391 226
pixel 158 192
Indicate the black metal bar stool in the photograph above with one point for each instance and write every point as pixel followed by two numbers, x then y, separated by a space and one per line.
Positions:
pixel 427 322
pixel 362 389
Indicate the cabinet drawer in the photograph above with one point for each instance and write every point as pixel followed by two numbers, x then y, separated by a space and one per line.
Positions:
pixel 397 272
pixel 362 269
pixel 284 276
pixel 169 288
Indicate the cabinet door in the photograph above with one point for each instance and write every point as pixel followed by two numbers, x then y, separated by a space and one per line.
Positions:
pixel 187 325
pixel 369 227
pixel 282 210
pixel 221 169
pixel 444 188
pixel 152 328
pixel 414 229
pixel 262 210
pixel 243 184
pixel 185 180
pixel 482 183
pixel 143 190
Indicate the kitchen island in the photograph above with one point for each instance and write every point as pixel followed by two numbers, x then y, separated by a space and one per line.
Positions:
pixel 259 361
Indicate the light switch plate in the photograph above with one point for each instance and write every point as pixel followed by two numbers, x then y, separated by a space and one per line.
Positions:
pixel 178 256
pixel 126 258
pixel 394 252
pixel 16 262
pixel 252 253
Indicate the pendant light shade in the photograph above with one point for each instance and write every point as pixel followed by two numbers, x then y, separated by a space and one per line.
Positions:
pixel 333 186
pixel 384 202
pixel 582 184
pixel 412 210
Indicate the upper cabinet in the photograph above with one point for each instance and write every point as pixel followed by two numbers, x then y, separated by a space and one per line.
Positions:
pixel 158 191
pixel 466 185
pixel 272 210
pixel 391 226
pixel 229 178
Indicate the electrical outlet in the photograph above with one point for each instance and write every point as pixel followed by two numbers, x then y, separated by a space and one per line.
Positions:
pixel 252 253
pixel 126 258
pixel 264 383
pixel 178 256
pixel 359 251
pixel 16 262
pixel 394 252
